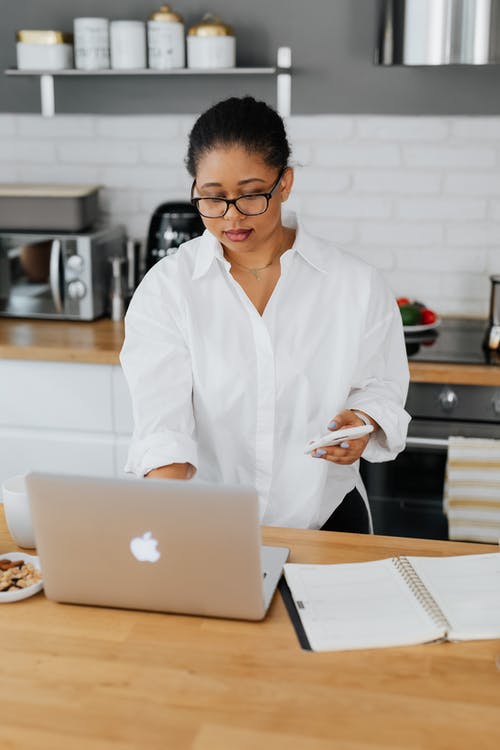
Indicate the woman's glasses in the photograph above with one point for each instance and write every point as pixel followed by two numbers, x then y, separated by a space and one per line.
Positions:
pixel 248 205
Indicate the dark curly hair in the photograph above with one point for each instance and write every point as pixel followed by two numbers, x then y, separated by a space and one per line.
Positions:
pixel 242 122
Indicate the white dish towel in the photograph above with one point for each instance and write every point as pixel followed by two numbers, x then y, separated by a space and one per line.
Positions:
pixel 472 489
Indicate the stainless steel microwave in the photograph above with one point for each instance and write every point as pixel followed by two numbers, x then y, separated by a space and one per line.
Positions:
pixel 57 275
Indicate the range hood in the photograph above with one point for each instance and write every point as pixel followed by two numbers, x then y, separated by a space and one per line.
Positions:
pixel 439 32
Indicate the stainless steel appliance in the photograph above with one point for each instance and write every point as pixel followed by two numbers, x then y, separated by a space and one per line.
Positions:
pixel 171 224
pixel 406 495
pixel 438 32
pixel 48 207
pixel 57 275
pixel 492 338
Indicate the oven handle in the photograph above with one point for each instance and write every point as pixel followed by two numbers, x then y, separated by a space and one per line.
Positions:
pixel 55 287
pixel 418 442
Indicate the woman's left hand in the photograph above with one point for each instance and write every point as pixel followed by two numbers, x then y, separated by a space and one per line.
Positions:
pixel 350 450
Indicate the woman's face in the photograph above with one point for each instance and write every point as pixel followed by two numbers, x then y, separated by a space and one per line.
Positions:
pixel 229 172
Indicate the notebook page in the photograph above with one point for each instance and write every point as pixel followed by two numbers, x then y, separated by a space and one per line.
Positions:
pixel 467 589
pixel 357 605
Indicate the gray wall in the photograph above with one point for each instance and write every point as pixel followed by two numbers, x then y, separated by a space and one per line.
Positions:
pixel 332 44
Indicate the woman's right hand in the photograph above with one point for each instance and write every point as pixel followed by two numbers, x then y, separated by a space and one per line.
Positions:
pixel 350 450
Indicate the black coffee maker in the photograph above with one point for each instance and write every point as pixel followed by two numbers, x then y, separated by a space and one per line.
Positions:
pixel 171 224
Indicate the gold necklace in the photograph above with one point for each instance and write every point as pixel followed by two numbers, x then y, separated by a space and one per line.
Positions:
pixel 256 271
pixel 253 271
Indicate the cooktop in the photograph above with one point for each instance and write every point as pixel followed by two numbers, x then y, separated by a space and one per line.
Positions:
pixel 457 340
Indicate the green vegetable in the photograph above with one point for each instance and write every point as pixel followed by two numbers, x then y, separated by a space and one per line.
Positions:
pixel 410 315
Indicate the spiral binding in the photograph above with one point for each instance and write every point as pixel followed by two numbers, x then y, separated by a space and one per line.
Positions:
pixel 422 594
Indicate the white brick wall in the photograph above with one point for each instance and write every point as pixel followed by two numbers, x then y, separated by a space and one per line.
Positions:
pixel 418 197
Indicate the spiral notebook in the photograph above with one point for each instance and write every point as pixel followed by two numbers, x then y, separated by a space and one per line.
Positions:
pixel 398 601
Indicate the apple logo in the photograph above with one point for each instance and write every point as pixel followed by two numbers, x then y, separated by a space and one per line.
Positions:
pixel 144 548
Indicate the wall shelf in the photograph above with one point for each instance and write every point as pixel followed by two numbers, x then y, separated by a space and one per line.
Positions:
pixel 282 73
pixel 143 72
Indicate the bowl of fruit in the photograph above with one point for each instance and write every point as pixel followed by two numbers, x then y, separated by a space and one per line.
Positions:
pixel 416 316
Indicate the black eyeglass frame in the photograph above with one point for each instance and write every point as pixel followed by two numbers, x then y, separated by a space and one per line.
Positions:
pixel 234 201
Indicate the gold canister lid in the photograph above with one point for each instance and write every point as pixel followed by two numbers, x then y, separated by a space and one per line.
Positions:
pixel 211 25
pixel 166 14
pixel 45 36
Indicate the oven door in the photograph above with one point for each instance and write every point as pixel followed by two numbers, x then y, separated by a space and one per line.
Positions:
pixel 406 495
pixel 32 280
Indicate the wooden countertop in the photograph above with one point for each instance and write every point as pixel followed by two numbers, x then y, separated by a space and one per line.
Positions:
pixel 454 374
pixel 97 342
pixel 100 342
pixel 90 678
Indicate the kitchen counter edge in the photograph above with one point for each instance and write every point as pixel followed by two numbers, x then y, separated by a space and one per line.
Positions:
pixel 100 341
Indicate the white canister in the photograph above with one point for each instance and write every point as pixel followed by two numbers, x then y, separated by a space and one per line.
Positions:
pixel 91 43
pixel 128 44
pixel 44 50
pixel 211 44
pixel 17 511
pixel 165 39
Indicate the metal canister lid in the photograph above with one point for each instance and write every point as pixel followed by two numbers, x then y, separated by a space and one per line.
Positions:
pixel 166 14
pixel 43 36
pixel 211 25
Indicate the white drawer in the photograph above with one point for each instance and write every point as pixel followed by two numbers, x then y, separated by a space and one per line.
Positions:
pixel 122 404
pixel 65 452
pixel 121 452
pixel 56 395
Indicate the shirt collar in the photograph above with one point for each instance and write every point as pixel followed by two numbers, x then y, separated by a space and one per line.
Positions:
pixel 208 250
pixel 309 248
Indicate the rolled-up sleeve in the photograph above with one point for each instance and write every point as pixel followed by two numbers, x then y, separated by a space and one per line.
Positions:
pixel 381 382
pixel 157 367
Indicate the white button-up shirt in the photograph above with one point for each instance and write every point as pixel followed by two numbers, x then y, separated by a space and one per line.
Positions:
pixel 238 395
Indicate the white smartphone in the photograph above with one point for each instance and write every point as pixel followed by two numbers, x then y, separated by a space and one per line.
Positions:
pixel 338 436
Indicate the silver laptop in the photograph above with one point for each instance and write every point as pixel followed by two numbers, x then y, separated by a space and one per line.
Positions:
pixel 153 544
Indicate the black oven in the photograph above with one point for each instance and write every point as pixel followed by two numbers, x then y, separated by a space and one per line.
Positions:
pixel 406 495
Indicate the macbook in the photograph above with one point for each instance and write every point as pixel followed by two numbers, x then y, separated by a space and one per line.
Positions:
pixel 154 544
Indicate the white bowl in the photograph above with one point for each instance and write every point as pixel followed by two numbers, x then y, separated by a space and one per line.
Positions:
pixel 15 596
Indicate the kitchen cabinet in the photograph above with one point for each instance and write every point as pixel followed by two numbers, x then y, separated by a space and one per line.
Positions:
pixel 55 395
pixel 64 406
pixel 281 71
pixel 123 423
pixel 23 450
pixel 63 416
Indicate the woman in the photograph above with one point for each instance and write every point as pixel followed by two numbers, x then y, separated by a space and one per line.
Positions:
pixel 255 338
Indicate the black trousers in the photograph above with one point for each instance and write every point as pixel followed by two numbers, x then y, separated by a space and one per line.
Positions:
pixel 351 515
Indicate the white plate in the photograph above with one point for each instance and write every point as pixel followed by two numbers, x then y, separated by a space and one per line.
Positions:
pixel 15 596
pixel 422 328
